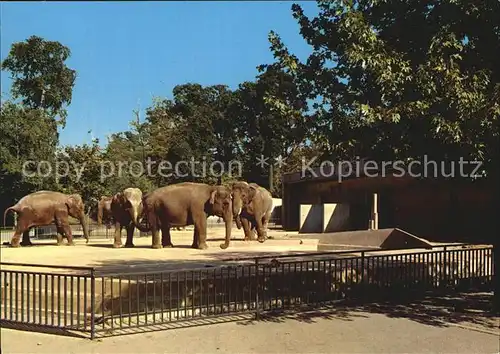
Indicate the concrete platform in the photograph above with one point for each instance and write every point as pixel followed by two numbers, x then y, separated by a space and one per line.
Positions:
pixel 388 239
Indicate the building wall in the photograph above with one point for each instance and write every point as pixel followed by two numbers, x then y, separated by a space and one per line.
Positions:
pixel 438 211
pixel 444 213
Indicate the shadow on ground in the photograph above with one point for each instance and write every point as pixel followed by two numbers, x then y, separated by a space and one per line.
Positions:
pixel 43 329
pixel 148 266
pixel 463 309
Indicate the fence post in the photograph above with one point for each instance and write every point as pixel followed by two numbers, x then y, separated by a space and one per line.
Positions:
pixel 445 266
pixel 363 268
pixel 92 304
pixel 257 275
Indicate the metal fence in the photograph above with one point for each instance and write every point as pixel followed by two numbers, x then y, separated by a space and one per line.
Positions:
pixel 91 302
pixel 95 231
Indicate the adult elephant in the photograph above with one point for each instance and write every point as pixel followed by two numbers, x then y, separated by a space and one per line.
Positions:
pixel 126 207
pixel 252 204
pixel 183 204
pixel 44 208
pixel 104 210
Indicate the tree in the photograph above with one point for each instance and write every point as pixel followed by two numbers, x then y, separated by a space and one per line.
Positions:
pixel 40 76
pixel 79 168
pixel 388 91
pixel 402 79
pixel 27 137
pixel 270 122
pixel 125 159
pixel 196 125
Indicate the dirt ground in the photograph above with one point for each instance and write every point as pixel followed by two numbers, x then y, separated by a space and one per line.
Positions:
pixel 368 329
pixel 99 252
pixel 356 331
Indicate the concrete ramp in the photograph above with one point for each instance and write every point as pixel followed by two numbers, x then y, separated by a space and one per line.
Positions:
pixel 370 239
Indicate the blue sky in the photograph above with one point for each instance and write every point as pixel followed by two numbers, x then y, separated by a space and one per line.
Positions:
pixel 126 52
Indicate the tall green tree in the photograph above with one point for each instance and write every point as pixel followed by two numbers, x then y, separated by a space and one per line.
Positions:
pixel 388 91
pixel 271 123
pixel 125 159
pixel 79 171
pixel 40 76
pixel 44 84
pixel 27 137
pixel 195 125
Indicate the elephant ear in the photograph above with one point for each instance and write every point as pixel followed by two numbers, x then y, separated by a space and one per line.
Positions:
pixel 252 191
pixel 119 198
pixel 71 201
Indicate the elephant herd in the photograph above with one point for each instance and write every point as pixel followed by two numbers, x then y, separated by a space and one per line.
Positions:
pixel 172 206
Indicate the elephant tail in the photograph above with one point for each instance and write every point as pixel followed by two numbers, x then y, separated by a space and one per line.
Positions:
pixel 14 208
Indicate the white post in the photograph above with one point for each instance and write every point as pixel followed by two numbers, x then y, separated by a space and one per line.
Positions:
pixel 375 212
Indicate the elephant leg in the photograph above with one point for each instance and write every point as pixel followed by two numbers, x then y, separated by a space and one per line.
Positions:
pixel 261 235
pixel 155 232
pixel 265 223
pixel 69 235
pixel 156 238
pixel 200 224
pixel 63 228
pixel 130 235
pixel 60 233
pixel 166 239
pixel 16 238
pixel 26 239
pixel 247 230
pixel 22 227
pixel 196 238
pixel 118 235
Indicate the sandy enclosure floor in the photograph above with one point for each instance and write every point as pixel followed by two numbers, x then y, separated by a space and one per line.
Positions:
pixel 100 254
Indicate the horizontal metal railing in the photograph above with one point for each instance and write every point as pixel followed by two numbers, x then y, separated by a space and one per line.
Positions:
pixel 98 303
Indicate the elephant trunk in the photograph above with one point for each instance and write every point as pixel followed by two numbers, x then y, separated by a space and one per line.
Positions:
pixel 142 227
pixel 140 221
pixel 237 206
pixel 238 222
pixel 134 216
pixel 228 219
pixel 85 225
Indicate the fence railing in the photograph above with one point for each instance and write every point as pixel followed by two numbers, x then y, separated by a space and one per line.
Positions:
pixel 92 301
pixel 96 231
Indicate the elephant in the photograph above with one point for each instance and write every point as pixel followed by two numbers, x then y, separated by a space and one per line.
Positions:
pixel 46 207
pixel 104 211
pixel 252 206
pixel 126 208
pixel 186 203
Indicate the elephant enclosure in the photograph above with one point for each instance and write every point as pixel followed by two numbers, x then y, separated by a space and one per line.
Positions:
pixel 104 301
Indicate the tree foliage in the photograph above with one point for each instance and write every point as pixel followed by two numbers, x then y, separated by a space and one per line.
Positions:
pixel 27 137
pixel 373 87
pixel 79 169
pixel 40 76
pixel 401 79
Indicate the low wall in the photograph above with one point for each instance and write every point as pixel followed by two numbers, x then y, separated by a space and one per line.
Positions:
pixel 328 217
